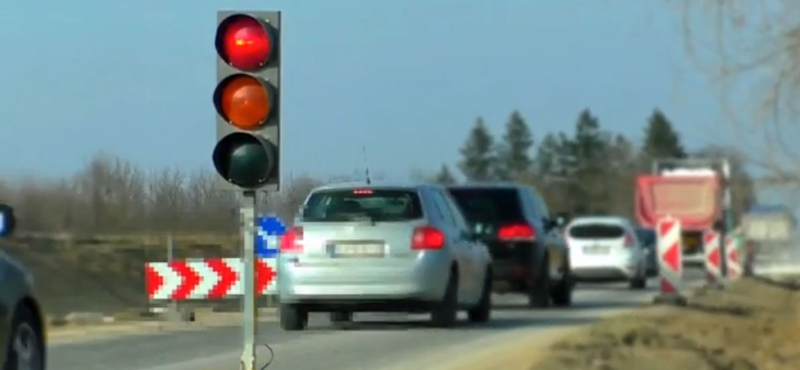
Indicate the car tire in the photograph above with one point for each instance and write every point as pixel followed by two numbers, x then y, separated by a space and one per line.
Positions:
pixel 483 311
pixel 562 294
pixel 341 317
pixel 539 291
pixel 293 317
pixel 445 313
pixel 639 282
pixel 26 343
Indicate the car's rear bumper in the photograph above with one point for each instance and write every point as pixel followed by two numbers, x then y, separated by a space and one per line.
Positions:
pixel 604 273
pixel 404 283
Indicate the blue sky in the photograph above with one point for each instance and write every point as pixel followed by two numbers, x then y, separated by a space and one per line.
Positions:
pixel 405 78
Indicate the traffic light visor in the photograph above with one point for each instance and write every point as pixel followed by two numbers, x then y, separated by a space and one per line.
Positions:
pixel 244 160
pixel 244 42
pixel 244 101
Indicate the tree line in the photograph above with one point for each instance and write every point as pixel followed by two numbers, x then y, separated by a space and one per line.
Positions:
pixel 589 170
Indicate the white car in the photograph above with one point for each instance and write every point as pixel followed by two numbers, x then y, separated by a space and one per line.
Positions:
pixel 606 248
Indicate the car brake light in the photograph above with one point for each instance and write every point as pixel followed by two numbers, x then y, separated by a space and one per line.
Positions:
pixel 362 191
pixel 516 232
pixel 629 241
pixel 292 241
pixel 427 237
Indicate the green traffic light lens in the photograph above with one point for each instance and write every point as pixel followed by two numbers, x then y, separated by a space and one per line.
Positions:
pixel 244 160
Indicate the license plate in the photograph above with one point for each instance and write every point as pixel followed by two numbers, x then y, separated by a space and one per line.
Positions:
pixel 595 249
pixel 357 250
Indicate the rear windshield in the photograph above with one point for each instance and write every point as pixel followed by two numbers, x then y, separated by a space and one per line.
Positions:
pixel 362 205
pixel 596 231
pixel 482 205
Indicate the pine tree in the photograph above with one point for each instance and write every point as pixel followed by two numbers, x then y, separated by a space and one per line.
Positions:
pixel 660 139
pixel 586 162
pixel 444 176
pixel 478 161
pixel 514 153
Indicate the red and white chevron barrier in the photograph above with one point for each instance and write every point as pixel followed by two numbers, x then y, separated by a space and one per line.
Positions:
pixel 713 260
pixel 733 260
pixel 670 254
pixel 209 278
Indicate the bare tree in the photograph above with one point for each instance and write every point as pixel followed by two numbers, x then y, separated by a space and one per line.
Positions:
pixel 751 51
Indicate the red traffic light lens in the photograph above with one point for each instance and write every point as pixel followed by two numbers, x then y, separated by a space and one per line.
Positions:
pixel 244 42
pixel 244 101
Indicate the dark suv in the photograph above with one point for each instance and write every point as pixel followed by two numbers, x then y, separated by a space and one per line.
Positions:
pixel 528 251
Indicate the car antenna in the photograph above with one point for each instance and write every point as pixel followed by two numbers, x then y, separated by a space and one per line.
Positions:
pixel 366 165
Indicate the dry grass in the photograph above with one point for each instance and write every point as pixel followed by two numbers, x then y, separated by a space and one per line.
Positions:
pixel 752 325
pixel 104 274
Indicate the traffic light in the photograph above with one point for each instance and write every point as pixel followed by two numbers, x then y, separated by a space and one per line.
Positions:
pixel 247 153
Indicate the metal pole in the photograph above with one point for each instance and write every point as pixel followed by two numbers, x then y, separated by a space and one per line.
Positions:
pixel 728 214
pixel 248 218
pixel 173 304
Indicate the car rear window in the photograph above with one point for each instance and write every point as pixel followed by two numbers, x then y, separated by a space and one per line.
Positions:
pixel 481 205
pixel 596 231
pixel 362 204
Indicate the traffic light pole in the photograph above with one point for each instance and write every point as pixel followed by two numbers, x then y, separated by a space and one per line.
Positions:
pixel 250 323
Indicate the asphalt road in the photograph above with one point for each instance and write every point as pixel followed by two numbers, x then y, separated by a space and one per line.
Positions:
pixel 377 341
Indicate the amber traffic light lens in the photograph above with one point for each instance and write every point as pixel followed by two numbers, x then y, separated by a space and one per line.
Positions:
pixel 244 101
pixel 244 42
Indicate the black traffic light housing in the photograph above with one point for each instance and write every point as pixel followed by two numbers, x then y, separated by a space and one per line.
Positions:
pixel 247 99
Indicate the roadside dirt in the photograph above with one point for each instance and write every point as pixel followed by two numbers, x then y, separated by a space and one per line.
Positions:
pixel 751 325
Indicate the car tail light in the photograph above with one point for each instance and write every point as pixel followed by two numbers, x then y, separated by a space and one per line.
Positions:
pixel 516 231
pixel 629 241
pixel 427 237
pixel 292 241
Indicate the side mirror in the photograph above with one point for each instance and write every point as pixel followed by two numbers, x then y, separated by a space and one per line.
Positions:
pixel 7 220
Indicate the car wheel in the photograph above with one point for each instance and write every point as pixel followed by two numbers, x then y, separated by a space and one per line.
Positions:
pixel 483 311
pixel 339 317
pixel 639 281
pixel 293 317
pixel 539 291
pixel 26 347
pixel 444 314
pixel 562 294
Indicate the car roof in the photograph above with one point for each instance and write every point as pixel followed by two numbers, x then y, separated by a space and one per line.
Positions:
pixel 488 185
pixel 614 220
pixel 373 185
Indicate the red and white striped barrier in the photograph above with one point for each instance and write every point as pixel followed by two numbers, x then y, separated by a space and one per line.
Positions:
pixel 733 260
pixel 209 278
pixel 713 260
pixel 670 256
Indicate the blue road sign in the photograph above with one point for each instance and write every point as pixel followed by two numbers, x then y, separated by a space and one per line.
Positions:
pixel 270 229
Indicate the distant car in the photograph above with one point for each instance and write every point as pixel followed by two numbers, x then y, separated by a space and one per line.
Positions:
pixel 647 237
pixel 389 247
pixel 528 251
pixel 22 332
pixel 606 248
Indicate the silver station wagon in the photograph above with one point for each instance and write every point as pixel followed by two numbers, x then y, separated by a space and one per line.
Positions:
pixel 359 247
